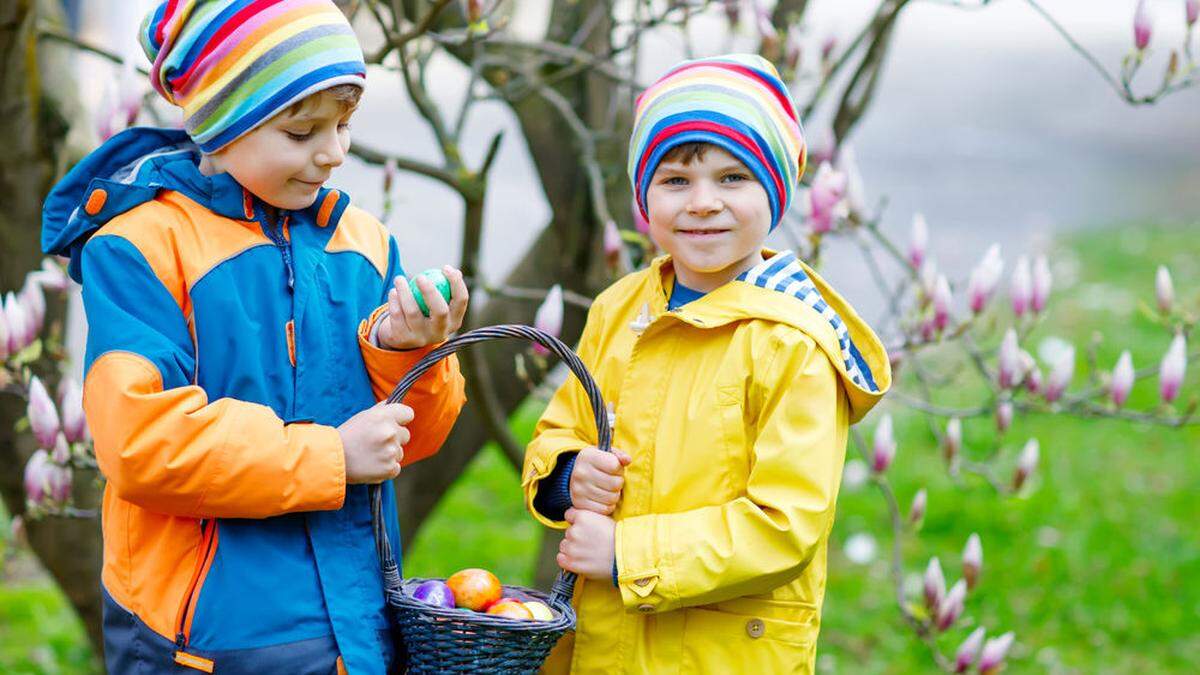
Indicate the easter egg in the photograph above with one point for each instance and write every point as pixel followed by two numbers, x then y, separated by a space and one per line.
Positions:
pixel 510 608
pixel 440 282
pixel 436 593
pixel 539 610
pixel 474 588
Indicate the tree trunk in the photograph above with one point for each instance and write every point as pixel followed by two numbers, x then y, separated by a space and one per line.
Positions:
pixel 34 126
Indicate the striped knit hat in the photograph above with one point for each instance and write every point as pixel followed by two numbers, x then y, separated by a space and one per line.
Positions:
pixel 233 64
pixel 736 102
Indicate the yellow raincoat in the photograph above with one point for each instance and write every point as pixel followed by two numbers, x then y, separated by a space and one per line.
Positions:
pixel 735 408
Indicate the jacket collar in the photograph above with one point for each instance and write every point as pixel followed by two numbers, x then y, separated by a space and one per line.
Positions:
pixel 131 168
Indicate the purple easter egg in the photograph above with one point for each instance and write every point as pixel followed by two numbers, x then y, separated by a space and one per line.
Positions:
pixel 434 592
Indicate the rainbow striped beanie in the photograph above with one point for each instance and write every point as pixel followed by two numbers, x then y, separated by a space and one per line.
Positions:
pixel 233 64
pixel 736 102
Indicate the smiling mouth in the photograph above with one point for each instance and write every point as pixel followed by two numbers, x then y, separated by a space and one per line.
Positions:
pixel 310 183
pixel 701 233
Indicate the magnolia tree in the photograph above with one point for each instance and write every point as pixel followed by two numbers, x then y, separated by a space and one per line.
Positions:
pixel 577 81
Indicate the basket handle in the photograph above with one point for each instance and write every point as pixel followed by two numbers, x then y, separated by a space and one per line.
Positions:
pixel 564 585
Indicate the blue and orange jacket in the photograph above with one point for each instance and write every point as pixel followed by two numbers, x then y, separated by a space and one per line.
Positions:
pixel 222 353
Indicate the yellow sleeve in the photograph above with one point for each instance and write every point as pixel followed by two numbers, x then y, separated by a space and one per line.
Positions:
pixel 567 425
pixel 760 541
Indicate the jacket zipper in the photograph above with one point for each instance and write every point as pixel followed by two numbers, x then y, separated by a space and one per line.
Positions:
pixel 275 234
pixel 208 544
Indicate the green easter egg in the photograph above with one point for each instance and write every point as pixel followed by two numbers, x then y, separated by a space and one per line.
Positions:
pixel 440 282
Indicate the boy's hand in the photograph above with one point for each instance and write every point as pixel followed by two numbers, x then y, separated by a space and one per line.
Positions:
pixel 374 441
pixel 589 548
pixel 597 479
pixel 405 327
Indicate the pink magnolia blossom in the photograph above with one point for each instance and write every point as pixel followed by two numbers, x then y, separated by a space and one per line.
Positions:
pixel 856 194
pixel 994 653
pixel 883 450
pixel 826 199
pixel 1143 25
pixel 1043 281
pixel 34 301
pixel 968 651
pixel 43 416
pixel 918 243
pixel 73 421
pixel 612 240
pixel 1008 361
pixel 934 585
pixel 1172 369
pixel 549 316
pixel 1164 290
pixel 972 560
pixel 952 441
pixel 984 278
pixel 1061 373
pixel 1122 379
pixel 1192 12
pixel 951 607
pixel 1004 416
pixel 1021 288
pixel 1026 463
pixel 916 512
pixel 942 301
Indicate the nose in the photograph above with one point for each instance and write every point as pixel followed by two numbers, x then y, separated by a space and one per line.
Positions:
pixel 330 154
pixel 704 200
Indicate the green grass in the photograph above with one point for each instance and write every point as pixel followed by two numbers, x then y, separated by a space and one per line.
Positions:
pixel 1094 566
pixel 39 634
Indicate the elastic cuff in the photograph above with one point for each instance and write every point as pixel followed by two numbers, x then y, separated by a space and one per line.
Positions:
pixel 555 497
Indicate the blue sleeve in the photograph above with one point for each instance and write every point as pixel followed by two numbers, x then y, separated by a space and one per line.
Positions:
pixel 554 497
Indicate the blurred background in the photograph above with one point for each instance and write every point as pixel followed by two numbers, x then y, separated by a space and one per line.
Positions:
pixel 992 126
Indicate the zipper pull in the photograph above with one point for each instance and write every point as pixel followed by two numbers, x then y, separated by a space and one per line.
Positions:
pixel 642 321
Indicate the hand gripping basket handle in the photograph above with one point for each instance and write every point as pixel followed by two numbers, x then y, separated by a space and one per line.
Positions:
pixel 564 585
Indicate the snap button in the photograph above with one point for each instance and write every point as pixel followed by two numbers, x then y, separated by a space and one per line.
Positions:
pixel 643 582
pixel 645 609
pixel 755 628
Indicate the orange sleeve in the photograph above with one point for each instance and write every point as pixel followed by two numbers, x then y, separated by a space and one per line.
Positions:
pixel 436 398
pixel 176 453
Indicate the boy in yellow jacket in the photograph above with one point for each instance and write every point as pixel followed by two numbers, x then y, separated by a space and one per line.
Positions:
pixel 734 373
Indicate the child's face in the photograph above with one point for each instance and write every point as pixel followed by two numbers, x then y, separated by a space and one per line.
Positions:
pixel 287 159
pixel 711 215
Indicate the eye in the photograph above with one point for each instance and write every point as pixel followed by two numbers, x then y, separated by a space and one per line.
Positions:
pixel 734 177
pixel 344 126
pixel 674 180
pixel 298 136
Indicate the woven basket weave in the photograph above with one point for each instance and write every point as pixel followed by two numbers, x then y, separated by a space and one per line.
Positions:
pixel 440 640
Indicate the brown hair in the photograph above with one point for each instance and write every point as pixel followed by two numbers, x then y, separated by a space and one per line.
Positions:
pixel 686 152
pixel 346 95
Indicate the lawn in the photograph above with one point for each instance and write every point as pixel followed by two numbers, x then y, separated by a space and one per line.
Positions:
pixel 1094 566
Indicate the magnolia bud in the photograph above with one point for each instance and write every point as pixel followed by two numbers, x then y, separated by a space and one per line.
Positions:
pixel 1192 11
pixel 43 417
pixel 856 193
pixel 826 199
pixel 37 479
pixel 972 560
pixel 1164 290
pixel 34 301
pixel 1021 289
pixel 61 454
pixel 549 316
pixel 984 278
pixel 968 650
pixel 1004 416
pixel 950 608
pixel 916 512
pixel 612 240
pixel 1026 463
pixel 1122 379
pixel 1042 282
pixel 639 220
pixel 883 450
pixel 74 422
pixel 942 300
pixel 1143 25
pixel 934 585
pixel 919 242
pixel 1008 360
pixel 1172 369
pixel 952 441
pixel 1061 373
pixel 994 652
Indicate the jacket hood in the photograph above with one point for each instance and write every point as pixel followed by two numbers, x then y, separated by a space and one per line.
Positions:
pixel 130 169
pixel 784 289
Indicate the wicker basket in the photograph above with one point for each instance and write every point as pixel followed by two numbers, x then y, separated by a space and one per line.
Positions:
pixel 440 640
